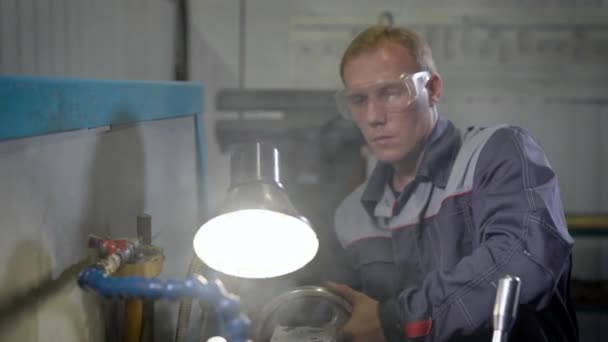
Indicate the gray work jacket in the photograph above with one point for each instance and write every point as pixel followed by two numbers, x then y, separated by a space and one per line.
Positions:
pixel 482 205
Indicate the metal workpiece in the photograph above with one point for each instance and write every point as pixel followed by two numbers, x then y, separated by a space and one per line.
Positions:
pixel 311 307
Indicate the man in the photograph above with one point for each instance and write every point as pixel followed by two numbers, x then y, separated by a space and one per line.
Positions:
pixel 443 216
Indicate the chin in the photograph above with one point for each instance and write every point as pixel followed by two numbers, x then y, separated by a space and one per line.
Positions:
pixel 387 156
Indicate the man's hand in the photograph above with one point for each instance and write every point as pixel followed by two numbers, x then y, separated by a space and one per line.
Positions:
pixel 364 324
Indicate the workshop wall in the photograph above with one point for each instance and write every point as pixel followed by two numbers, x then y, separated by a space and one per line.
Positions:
pixel 537 64
pixel 109 39
pixel 56 189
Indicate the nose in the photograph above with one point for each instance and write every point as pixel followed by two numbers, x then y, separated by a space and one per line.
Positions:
pixel 375 113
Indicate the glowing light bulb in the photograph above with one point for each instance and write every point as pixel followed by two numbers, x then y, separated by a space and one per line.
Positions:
pixel 256 243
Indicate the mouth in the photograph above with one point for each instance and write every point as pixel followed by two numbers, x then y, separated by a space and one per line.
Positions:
pixel 383 139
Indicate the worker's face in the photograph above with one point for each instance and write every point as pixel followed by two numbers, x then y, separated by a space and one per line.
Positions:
pixel 394 124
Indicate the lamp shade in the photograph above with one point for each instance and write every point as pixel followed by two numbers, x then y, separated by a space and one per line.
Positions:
pixel 258 233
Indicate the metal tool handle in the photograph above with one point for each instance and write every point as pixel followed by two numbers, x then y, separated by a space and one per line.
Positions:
pixel 505 307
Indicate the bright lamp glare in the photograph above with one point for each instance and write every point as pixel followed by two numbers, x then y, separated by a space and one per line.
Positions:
pixel 255 243
pixel 216 339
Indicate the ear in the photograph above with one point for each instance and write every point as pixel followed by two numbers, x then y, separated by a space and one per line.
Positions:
pixel 433 87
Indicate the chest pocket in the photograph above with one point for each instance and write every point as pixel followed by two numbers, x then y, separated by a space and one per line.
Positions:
pixel 374 262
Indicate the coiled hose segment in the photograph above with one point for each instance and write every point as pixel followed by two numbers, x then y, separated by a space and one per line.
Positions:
pixel 237 325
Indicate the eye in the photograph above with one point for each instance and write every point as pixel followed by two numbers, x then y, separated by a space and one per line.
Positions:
pixel 391 90
pixel 356 100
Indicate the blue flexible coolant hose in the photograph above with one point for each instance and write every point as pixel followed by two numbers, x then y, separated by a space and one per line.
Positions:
pixel 133 287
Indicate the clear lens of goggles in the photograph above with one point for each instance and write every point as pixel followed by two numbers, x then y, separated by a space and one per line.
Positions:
pixel 392 96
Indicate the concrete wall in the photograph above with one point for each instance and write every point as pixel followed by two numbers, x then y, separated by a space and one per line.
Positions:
pixel 56 189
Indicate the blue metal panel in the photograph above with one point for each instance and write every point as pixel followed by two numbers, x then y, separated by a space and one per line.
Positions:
pixel 34 105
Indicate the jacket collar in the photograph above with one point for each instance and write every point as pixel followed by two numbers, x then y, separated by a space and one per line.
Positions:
pixel 439 154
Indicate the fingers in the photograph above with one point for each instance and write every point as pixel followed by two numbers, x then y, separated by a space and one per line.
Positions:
pixel 345 291
pixel 345 334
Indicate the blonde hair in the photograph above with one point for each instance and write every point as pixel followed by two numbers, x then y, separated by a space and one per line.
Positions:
pixel 371 37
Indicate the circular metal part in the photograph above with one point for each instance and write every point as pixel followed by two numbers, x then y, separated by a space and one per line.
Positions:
pixel 306 306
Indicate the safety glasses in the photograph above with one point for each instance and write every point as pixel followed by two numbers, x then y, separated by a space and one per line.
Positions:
pixel 392 96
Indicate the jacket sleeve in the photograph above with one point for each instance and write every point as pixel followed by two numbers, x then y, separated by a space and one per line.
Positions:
pixel 519 221
pixel 339 267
